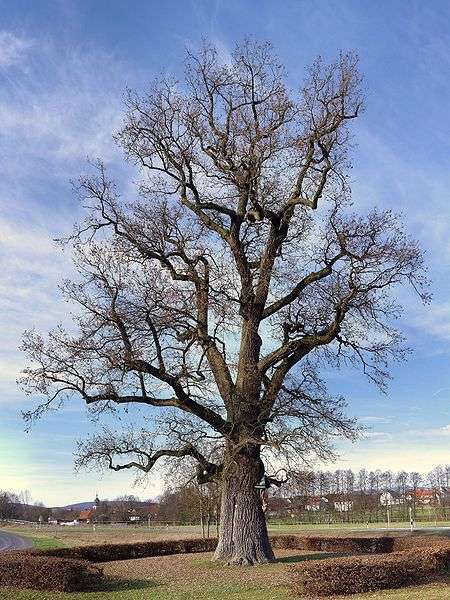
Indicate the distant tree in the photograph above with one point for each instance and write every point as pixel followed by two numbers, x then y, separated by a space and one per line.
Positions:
pixel 124 507
pixel 387 480
pixel 323 482
pixel 362 480
pixel 215 295
pixel 401 482
pixel 9 507
pixel 415 479
pixel 349 481
pixel 180 505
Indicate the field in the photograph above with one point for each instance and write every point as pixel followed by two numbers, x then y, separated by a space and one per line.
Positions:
pixel 86 534
pixel 188 577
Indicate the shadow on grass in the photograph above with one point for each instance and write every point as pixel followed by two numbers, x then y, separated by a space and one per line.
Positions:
pixel 123 585
pixel 296 558
pixel 313 556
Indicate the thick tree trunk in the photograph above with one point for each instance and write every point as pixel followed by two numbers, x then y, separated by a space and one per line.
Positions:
pixel 243 537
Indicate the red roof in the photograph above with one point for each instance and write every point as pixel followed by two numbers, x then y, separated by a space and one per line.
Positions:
pixel 424 493
pixel 86 514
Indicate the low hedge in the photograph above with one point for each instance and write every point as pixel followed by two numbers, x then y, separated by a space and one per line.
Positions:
pixel 47 573
pixel 360 545
pixel 110 552
pixel 408 542
pixel 393 562
pixel 359 574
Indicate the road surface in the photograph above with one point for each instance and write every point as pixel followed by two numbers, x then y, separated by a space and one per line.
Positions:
pixel 11 541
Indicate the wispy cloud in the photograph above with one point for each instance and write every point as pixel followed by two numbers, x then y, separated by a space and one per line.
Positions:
pixel 434 320
pixel 61 107
pixel 13 49
pixel 60 110
pixel 60 100
pixel 373 419
pixel 378 436
pixel 434 432
pixel 31 269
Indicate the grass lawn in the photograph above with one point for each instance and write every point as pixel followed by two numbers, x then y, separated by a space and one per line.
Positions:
pixel 245 583
pixel 102 534
pixel 137 591
pixel 194 576
pixel 41 541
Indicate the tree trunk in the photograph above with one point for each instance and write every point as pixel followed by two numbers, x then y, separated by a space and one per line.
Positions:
pixel 202 521
pixel 243 537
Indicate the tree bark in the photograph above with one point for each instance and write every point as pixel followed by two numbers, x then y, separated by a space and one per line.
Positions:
pixel 243 537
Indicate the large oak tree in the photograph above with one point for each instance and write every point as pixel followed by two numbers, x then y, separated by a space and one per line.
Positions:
pixel 214 295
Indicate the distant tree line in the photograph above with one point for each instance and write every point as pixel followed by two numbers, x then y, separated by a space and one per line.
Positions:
pixel 345 495
pixel 328 497
pixel 308 496
pixel 20 506
pixel 346 481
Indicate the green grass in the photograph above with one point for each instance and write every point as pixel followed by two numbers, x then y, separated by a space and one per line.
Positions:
pixel 140 590
pixel 39 542
pixel 85 534
pixel 120 589
pixel 276 527
pixel 43 543
pixel 147 591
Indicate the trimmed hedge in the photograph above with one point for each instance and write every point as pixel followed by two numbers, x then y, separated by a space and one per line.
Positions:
pixel 47 573
pixel 359 574
pixel 70 569
pixel 360 545
pixel 409 542
pixel 110 552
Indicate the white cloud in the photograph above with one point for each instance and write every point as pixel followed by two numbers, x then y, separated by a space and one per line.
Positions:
pixel 434 320
pixel 396 457
pixel 31 269
pixel 430 433
pixel 58 112
pixel 391 180
pixel 12 49
pixel 373 419
pixel 64 106
pixel 378 436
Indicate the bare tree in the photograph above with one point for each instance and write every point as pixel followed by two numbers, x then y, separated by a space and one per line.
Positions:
pixel 214 296
pixel 9 505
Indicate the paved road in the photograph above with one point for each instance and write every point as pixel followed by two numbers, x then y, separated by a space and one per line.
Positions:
pixel 11 541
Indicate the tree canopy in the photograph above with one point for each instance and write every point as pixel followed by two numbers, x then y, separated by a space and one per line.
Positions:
pixel 216 293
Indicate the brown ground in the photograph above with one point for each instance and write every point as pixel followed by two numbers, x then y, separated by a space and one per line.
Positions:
pixel 181 569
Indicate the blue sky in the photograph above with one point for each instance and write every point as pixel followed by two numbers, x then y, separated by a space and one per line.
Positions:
pixel 63 68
